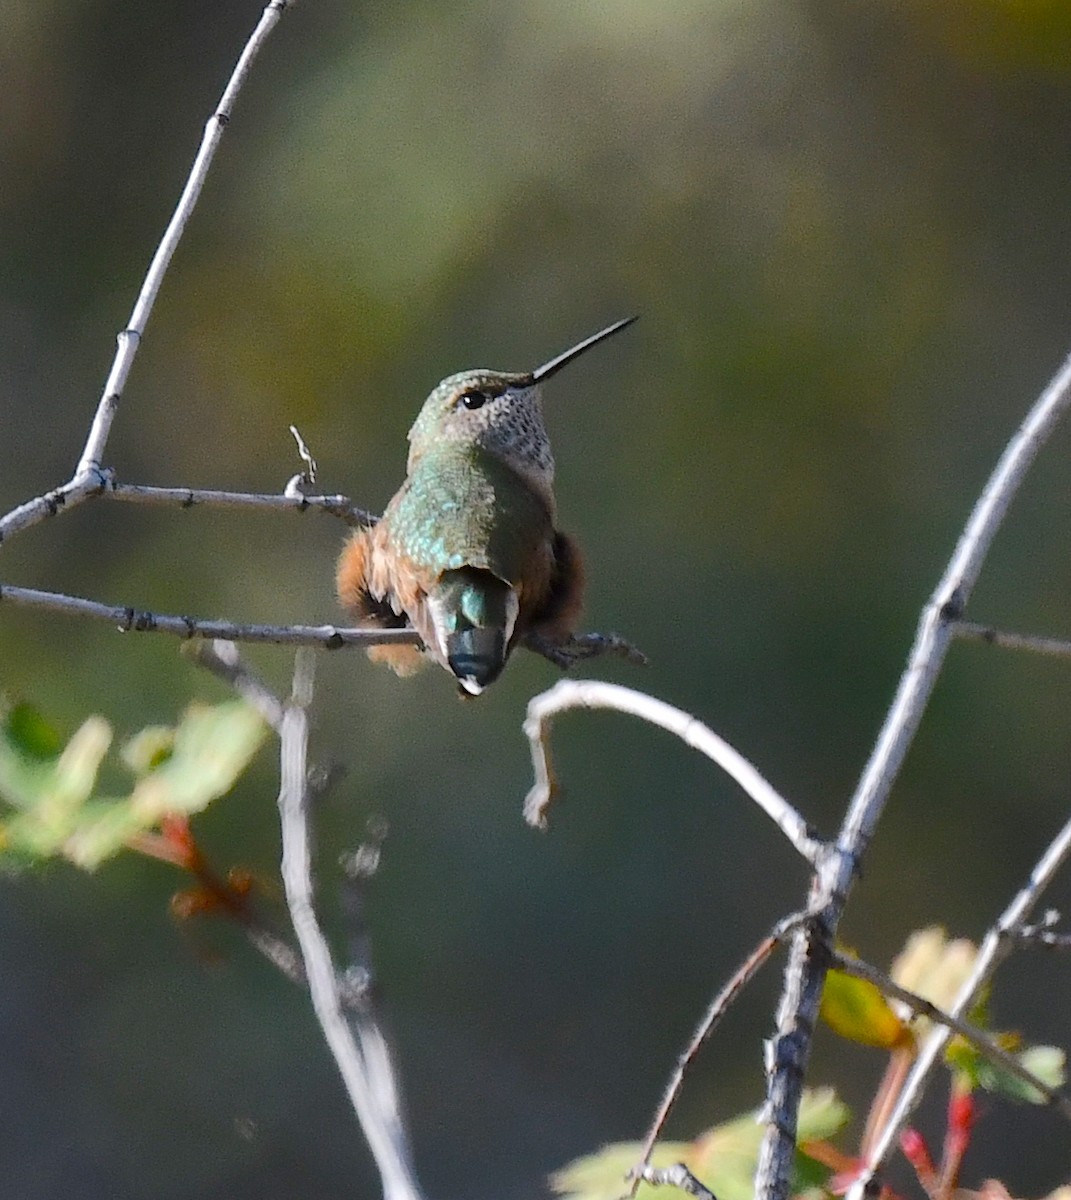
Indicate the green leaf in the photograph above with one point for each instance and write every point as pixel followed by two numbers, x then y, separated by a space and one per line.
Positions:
pixel 149 749
pixel 49 793
pixel 178 770
pixel 724 1158
pixel 210 749
pixel 1046 1062
pixel 857 1010
pixel 27 772
pixel 30 733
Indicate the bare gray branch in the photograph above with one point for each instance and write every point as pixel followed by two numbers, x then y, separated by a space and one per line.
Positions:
pixel 134 620
pixel 971 630
pixel 88 478
pixel 179 497
pixel 364 1060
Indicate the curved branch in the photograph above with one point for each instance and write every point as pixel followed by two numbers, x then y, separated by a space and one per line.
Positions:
pixel 587 693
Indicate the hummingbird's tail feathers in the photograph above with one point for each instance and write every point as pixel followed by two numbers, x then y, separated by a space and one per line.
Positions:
pixel 402 660
pixel 473 613
pixel 476 657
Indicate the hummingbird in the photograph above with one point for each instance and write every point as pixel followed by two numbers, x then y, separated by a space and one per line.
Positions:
pixel 468 552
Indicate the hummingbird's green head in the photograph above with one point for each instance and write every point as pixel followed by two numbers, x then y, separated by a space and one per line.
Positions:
pixel 499 411
pixel 503 413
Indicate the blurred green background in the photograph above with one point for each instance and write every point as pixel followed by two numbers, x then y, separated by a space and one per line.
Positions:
pixel 848 230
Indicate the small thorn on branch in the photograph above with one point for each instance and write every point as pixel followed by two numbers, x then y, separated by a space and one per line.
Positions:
pixel 677 1176
pixel 1043 933
pixel 300 485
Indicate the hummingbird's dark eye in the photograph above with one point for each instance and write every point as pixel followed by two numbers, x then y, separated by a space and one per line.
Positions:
pixel 473 398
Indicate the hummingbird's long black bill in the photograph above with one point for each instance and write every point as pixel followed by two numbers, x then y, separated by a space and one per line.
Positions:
pixel 556 364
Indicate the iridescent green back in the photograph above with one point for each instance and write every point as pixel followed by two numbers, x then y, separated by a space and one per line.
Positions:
pixel 461 506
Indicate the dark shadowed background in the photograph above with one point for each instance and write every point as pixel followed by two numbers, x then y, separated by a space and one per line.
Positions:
pixel 848 230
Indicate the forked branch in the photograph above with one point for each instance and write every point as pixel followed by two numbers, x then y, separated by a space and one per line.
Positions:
pixel 89 478
pixel 805 974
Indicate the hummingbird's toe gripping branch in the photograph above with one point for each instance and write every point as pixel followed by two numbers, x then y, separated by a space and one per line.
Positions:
pixel 579 647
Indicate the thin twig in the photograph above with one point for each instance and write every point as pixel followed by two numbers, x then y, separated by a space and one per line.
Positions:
pixel 971 630
pixel 805 973
pixel 997 944
pixel 221 658
pixel 717 1008
pixel 179 497
pixel 365 1068
pixel 134 620
pixel 586 693
pixel 88 478
pixel 982 1041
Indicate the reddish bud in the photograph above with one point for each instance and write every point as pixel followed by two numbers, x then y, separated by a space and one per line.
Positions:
pixel 917 1153
pixel 962 1113
pixel 176 832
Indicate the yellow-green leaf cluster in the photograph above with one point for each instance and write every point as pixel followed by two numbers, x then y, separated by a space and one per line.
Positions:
pixel 51 788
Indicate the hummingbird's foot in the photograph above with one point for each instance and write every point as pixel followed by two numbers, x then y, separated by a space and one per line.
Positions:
pixel 580 646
